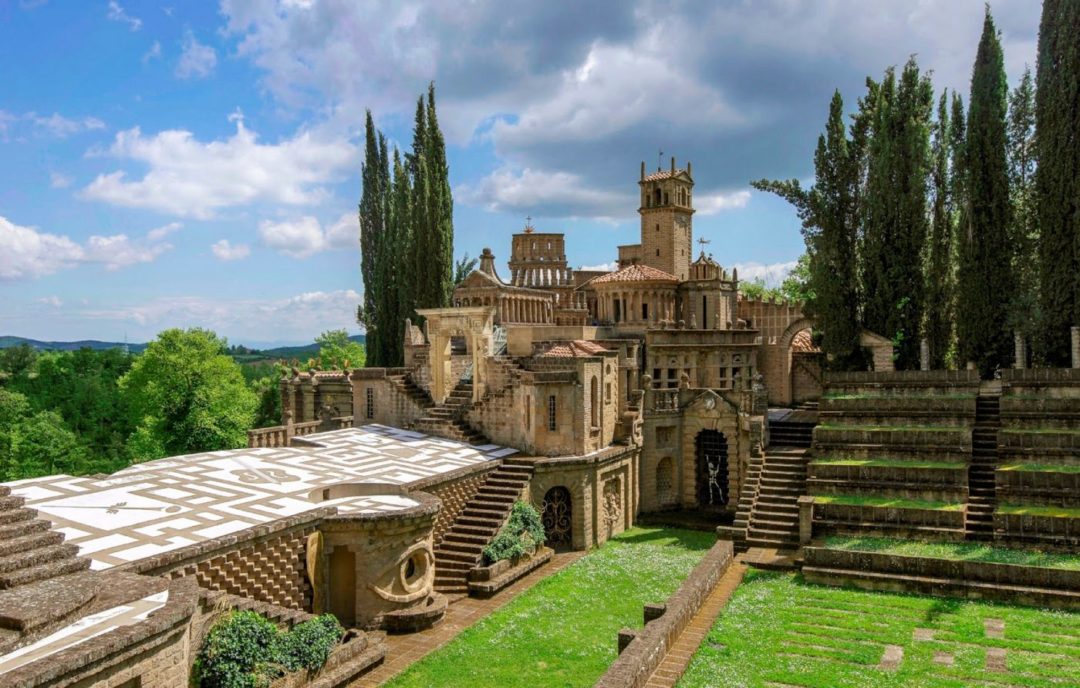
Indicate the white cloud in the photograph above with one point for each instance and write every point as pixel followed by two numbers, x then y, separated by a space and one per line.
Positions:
pixel 159 233
pixel 197 59
pixel 773 274
pixel 305 236
pixel 553 193
pixel 55 125
pixel 117 13
pixel 53 301
pixel 59 181
pixel 153 53
pixel 602 267
pixel 297 318
pixel 223 250
pixel 28 253
pixel 190 178
pixel 711 204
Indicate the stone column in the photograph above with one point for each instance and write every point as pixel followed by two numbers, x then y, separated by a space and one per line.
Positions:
pixel 924 354
pixel 1075 331
pixel 1020 349
pixel 806 519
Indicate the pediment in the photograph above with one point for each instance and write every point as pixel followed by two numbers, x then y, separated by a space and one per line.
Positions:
pixel 711 402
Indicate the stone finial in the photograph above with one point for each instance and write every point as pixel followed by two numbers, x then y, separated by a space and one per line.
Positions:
pixel 646 381
pixel 487 262
pixel 684 381
pixel 682 324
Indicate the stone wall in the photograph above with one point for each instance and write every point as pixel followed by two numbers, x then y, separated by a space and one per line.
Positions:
pixel 265 563
pixel 646 651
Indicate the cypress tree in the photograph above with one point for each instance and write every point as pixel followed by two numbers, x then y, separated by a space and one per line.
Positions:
pixel 441 213
pixel 895 221
pixel 939 263
pixel 421 246
pixel 1057 178
pixel 388 329
pixel 1024 230
pixel 372 216
pixel 401 223
pixel 986 275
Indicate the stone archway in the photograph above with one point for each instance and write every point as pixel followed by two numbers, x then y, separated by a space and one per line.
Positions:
pixel 711 470
pixel 557 515
pixel 476 325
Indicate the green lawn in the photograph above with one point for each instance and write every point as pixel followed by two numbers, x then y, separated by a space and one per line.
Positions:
pixel 891 502
pixel 779 631
pixel 964 551
pixel 563 631
pixel 889 463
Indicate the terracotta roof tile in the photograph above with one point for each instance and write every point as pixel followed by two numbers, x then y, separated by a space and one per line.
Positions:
pixel 636 273
pixel 803 342
pixel 578 348
pixel 663 174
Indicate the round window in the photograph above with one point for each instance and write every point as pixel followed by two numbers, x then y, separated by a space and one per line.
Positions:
pixel 414 570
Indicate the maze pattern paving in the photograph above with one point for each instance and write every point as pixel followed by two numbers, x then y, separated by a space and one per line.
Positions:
pixel 782 633
pixel 159 506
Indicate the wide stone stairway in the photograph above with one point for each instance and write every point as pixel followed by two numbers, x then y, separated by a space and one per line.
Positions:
pixel 29 551
pixel 463 543
pixel 979 522
pixel 774 518
pixel 446 419
pixel 791 433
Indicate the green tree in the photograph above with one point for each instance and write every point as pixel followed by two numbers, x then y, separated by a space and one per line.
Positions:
pixel 43 445
pixel 939 271
pixel 463 268
pixel 1057 179
pixel 17 361
pixel 441 215
pixel 421 246
pixel 1024 232
pixel 372 229
pixel 402 234
pixel 338 352
pixel 186 395
pixel 985 277
pixel 797 286
pixel 894 213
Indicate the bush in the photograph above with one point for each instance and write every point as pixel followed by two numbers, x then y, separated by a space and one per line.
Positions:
pixel 522 534
pixel 245 650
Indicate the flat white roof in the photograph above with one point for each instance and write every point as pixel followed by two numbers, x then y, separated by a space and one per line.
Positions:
pixel 163 505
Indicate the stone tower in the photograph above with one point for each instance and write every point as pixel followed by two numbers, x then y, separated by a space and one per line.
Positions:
pixel 667 211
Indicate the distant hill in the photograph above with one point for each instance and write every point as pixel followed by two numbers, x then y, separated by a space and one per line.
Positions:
pixel 283 352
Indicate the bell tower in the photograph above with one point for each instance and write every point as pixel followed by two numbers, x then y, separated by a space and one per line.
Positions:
pixel 667 211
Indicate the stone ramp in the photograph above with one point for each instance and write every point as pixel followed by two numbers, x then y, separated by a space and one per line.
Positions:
pixel 462 546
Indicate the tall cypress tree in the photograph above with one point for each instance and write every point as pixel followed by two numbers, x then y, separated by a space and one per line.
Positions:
pixel 372 217
pixel 388 329
pixel 401 223
pixel 1024 230
pixel 895 222
pixel 939 262
pixel 441 213
pixel 1057 178
pixel 986 271
pixel 421 246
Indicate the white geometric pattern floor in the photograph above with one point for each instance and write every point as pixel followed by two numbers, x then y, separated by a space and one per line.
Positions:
pixel 162 505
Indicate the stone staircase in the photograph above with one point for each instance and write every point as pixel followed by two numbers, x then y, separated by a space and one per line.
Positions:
pixel 406 386
pixel 736 532
pixel 790 433
pixel 774 519
pixel 979 522
pixel 29 551
pixel 463 543
pixel 446 419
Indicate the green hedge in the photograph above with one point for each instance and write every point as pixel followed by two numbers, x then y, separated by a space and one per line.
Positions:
pixel 522 534
pixel 245 650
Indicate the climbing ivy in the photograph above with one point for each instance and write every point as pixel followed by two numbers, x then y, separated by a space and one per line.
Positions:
pixel 522 534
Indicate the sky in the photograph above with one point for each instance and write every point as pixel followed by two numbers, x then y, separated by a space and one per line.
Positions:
pixel 198 163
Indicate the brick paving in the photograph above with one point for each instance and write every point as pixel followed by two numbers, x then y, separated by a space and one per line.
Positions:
pixel 404 650
pixel 678 657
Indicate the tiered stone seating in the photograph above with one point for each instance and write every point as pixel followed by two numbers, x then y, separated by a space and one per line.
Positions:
pixel 1038 473
pixel 29 551
pixel 463 544
pixel 891 453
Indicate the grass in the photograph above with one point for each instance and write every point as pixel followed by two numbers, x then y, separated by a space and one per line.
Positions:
pixel 778 630
pixel 562 631
pixel 889 463
pixel 891 502
pixel 878 395
pixel 1040 431
pixel 1054 511
pixel 1042 467
pixel 962 551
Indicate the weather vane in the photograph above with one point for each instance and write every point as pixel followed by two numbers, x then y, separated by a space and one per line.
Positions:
pixel 528 224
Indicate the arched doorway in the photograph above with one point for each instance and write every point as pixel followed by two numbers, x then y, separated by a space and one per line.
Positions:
pixel 711 452
pixel 557 518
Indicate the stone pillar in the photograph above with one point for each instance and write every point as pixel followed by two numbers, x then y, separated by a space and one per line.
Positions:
pixel 1020 349
pixel 1075 331
pixel 806 519
pixel 924 354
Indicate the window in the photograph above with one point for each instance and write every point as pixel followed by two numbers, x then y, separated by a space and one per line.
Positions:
pixel 370 411
pixel 607 392
pixel 657 252
pixel 644 311
pixel 551 413
pixel 594 401
pixel 658 226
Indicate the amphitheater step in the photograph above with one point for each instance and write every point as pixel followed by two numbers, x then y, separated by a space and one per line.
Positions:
pixel 18 529
pixel 17 515
pixel 44 571
pixel 34 540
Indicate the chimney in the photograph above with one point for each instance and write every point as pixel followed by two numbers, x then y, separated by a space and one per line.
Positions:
pixel 642 170
pixel 689 169
pixel 673 165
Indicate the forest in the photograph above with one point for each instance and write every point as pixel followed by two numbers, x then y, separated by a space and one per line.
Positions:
pixel 93 411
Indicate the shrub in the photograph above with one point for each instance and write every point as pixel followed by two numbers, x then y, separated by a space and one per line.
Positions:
pixel 522 534
pixel 245 650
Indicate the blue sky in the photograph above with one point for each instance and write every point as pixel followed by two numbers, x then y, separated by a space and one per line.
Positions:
pixel 198 163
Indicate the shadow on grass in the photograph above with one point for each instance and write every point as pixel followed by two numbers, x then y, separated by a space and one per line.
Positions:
pixel 688 539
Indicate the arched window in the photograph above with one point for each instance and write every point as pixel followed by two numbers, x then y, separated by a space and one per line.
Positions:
pixel 594 401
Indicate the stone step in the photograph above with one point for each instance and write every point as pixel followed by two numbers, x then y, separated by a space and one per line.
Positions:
pixel 452 555
pixel 478 531
pixel 776 543
pixel 34 540
pixel 470 548
pixel 4 490
pixel 479 521
pixel 449 566
pixel 44 571
pixel 499 490
pixel 11 502
pixel 471 511
pixel 507 481
pixel 17 515
pixel 22 528
pixel 466 538
pixel 767 524
pixel 771 533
